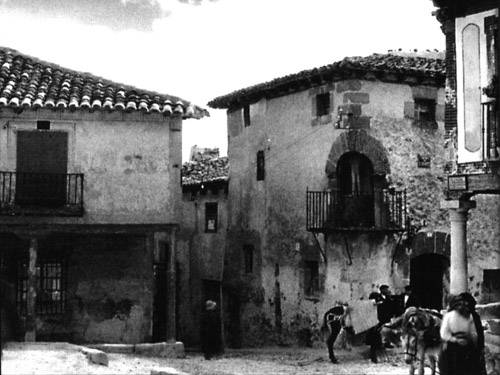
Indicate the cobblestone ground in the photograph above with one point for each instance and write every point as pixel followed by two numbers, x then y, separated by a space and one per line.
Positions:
pixel 53 360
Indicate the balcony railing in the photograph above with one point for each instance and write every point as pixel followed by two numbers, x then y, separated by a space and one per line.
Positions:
pixel 385 210
pixel 491 131
pixel 41 194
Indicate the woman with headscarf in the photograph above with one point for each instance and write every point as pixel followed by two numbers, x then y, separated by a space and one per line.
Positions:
pixel 471 301
pixel 211 331
pixel 459 354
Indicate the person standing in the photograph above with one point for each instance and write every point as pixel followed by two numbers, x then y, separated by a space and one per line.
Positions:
pixel 471 302
pixel 211 331
pixel 409 299
pixel 334 320
pixel 459 355
pixel 386 310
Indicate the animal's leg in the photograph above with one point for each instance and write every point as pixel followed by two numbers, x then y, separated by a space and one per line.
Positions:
pixel 432 360
pixel 412 368
pixel 421 358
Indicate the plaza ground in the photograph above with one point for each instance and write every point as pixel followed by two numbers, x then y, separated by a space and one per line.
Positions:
pixel 59 358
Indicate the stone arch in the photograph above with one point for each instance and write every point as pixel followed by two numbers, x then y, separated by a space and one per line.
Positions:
pixel 359 141
pixel 434 242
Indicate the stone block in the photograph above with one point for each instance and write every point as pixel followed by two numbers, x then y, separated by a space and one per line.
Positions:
pixel 489 311
pixel 166 371
pixel 161 349
pixel 357 97
pixel 422 92
pixel 96 356
pixel 115 348
pixel 351 85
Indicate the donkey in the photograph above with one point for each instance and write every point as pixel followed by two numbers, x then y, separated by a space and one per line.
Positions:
pixel 419 337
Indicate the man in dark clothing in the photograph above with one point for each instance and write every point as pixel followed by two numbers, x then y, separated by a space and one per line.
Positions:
pixel 211 331
pixel 334 321
pixel 386 310
pixel 408 299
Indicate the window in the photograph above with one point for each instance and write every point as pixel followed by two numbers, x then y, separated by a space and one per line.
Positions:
pixel 311 278
pixel 51 287
pixel 261 166
pixel 43 125
pixel 211 217
pixel 246 115
pixel 248 258
pixel 425 110
pixel 491 285
pixel 322 104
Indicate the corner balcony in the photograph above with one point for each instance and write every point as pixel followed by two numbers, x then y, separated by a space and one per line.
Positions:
pixel 490 128
pixel 41 194
pixel 330 211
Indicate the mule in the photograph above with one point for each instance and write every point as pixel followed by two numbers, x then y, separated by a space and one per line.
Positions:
pixel 419 329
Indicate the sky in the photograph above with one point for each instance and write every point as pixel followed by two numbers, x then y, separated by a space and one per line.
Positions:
pixel 201 49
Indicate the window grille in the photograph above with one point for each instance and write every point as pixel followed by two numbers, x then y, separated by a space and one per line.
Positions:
pixel 211 217
pixel 51 287
pixel 425 109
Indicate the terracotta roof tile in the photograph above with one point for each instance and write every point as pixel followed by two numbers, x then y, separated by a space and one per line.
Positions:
pixel 382 67
pixel 32 83
pixel 205 171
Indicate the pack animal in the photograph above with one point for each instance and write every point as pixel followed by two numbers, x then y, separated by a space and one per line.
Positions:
pixel 420 338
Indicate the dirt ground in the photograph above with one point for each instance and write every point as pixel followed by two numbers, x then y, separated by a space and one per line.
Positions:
pixel 61 359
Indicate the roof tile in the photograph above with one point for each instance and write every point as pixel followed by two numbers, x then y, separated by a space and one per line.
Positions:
pixel 386 67
pixel 32 83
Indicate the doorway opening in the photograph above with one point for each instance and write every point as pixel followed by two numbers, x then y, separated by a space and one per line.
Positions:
pixel 427 273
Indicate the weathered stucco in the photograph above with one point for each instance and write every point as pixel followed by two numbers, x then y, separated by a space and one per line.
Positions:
pixel 130 161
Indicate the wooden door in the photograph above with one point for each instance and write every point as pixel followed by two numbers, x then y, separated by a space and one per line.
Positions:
pixel 42 166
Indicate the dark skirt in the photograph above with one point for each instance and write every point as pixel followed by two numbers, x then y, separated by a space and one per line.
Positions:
pixel 456 359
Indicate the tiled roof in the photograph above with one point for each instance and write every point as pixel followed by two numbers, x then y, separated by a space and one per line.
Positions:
pixel 390 67
pixel 26 82
pixel 205 171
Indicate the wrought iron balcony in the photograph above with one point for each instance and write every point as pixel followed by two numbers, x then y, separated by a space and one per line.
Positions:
pixel 329 211
pixel 491 131
pixel 41 194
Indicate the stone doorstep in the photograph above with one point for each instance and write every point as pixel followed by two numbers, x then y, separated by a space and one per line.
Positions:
pixel 159 349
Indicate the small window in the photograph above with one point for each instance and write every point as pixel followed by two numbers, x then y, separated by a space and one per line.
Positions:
pixel 261 166
pixel 43 125
pixel 311 278
pixel 425 109
pixel 322 104
pixel 491 285
pixel 51 287
pixel 246 115
pixel 211 217
pixel 248 258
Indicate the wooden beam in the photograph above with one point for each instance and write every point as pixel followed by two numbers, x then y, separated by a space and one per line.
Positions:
pixel 30 335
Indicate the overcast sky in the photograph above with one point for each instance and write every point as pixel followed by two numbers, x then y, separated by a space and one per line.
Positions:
pixel 201 49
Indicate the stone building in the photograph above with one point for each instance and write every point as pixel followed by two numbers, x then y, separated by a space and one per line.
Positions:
pixel 336 176
pixel 201 239
pixel 472 137
pixel 89 204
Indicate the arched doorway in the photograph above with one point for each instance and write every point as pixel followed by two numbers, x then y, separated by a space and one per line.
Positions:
pixel 427 276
